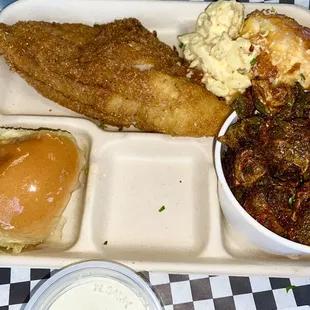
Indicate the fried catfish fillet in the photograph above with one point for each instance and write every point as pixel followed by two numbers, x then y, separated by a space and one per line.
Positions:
pixel 118 73
pixel 285 56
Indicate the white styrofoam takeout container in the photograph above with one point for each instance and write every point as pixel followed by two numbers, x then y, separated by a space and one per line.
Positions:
pixel 260 236
pixel 132 175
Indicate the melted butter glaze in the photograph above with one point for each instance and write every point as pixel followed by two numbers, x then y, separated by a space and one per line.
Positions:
pixel 38 173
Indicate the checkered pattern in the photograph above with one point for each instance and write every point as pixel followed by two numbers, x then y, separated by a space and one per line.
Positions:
pixel 201 292
pixel 304 3
pixel 180 292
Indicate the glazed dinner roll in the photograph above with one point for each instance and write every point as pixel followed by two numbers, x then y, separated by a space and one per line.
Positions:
pixel 39 170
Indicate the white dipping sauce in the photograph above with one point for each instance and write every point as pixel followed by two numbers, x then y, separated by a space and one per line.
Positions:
pixel 99 293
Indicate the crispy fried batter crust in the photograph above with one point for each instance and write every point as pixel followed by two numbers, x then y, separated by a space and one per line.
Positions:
pixel 118 73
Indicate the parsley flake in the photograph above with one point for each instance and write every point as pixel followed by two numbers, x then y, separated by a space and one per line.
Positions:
pixel 102 126
pixel 273 10
pixel 181 45
pixel 291 200
pixel 290 287
pixel 253 61
pixel 302 76
pixel 105 242
pixel 162 209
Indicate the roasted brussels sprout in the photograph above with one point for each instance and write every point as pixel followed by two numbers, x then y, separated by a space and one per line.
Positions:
pixel 267 161
pixel 281 101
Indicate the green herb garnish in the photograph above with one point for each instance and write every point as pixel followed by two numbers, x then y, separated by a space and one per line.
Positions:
pixel 291 200
pixel 181 45
pixel 105 242
pixel 290 287
pixel 102 126
pixel 162 209
pixel 302 76
pixel 86 171
pixel 273 10
pixel 253 61
pixel 248 169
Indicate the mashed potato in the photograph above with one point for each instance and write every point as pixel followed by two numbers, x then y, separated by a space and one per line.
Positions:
pixel 216 48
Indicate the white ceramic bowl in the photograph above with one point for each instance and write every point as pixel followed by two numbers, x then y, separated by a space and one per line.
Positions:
pixel 256 233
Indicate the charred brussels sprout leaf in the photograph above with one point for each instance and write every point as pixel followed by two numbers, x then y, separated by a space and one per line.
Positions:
pixel 260 107
pixel 244 105
pixel 242 132
pixel 282 101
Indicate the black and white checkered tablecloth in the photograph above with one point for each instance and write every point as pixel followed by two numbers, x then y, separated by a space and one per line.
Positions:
pixel 183 292
pixel 304 3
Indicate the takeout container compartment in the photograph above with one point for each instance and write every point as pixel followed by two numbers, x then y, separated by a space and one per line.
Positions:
pixel 258 235
pixel 115 212
pixel 142 173
pixel 131 177
pixel 67 232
